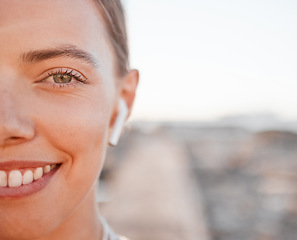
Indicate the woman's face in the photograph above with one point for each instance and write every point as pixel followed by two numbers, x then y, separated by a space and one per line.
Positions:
pixel 57 100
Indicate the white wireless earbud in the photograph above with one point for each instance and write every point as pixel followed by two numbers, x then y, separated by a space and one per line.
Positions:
pixel 119 123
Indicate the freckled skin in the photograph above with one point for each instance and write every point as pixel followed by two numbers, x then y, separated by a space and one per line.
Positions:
pixel 70 125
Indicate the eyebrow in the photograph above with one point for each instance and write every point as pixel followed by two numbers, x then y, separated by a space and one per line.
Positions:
pixel 66 51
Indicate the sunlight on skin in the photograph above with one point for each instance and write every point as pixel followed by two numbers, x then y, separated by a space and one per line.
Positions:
pixel 47 119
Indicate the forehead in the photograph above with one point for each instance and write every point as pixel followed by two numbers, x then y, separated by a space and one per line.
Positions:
pixel 44 23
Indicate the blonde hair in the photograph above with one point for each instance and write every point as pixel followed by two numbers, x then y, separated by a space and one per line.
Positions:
pixel 113 14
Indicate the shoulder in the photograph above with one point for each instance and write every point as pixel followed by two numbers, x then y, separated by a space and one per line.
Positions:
pixel 117 237
pixel 108 233
pixel 123 238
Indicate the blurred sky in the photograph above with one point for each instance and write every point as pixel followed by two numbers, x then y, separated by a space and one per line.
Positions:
pixel 204 59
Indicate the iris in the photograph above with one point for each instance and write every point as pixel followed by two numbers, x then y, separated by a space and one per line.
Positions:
pixel 62 78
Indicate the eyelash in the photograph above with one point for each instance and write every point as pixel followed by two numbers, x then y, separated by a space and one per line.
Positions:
pixel 75 76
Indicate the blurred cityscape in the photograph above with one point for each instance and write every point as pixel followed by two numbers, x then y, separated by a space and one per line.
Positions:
pixel 226 180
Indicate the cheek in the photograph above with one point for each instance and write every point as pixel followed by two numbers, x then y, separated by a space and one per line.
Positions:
pixel 73 124
pixel 77 128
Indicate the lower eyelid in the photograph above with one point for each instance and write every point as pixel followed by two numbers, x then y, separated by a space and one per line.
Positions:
pixel 62 85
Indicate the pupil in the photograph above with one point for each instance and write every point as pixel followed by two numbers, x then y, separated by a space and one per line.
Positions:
pixel 62 78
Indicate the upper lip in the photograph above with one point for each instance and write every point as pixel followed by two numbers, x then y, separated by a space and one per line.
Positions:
pixel 17 164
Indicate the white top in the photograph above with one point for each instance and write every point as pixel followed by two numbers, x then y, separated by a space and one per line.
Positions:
pixel 108 234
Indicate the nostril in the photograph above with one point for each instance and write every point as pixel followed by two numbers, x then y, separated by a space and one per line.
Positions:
pixel 14 130
pixel 15 138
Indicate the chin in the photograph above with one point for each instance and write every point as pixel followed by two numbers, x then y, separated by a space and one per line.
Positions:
pixel 23 230
pixel 32 221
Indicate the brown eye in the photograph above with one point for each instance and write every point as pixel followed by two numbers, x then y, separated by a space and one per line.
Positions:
pixel 62 78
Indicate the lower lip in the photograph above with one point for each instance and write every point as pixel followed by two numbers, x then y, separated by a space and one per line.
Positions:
pixel 28 189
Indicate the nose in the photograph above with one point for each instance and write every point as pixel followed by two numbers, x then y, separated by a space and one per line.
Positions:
pixel 15 127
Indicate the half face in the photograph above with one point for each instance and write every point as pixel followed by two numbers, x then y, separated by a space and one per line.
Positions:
pixel 57 92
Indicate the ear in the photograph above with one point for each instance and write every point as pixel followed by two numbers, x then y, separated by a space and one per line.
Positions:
pixel 124 102
pixel 128 87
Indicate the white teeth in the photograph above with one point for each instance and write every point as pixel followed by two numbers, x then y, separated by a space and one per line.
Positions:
pixel 38 173
pixel 47 169
pixel 3 179
pixel 28 177
pixel 15 178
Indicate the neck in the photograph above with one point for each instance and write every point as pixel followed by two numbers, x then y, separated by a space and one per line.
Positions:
pixel 84 223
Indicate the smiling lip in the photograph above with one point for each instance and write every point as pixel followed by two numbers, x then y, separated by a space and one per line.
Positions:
pixel 26 189
pixel 12 165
